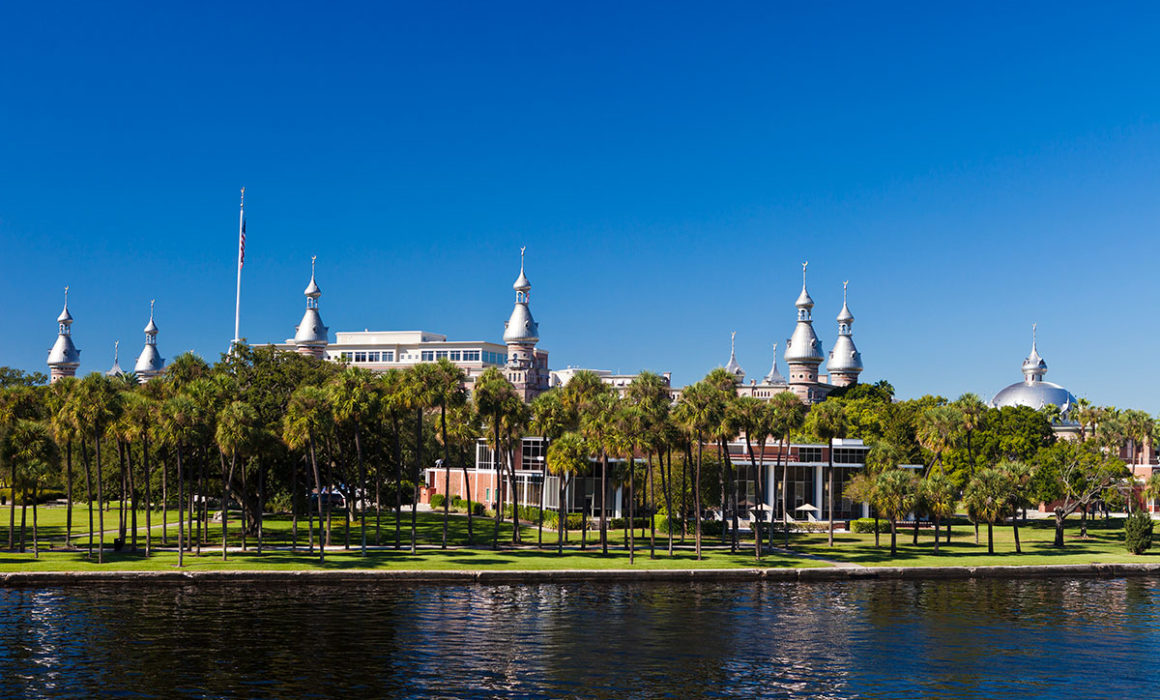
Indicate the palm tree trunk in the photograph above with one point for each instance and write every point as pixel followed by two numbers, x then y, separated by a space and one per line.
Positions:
pixel 603 502
pixel 226 477
pixel 416 476
pixel 398 443
pixel 760 492
pixel 447 474
pixel 148 493
pixel 631 509
pixel 23 514
pixel 88 494
pixel 243 503
pixel 35 534
pixel 12 505
pixel 180 508
pixel 937 518
pixel 132 498
pixel 584 516
pixel 669 497
pixel 697 495
pixel 651 490
pixel 722 479
pixel 467 490
pixel 68 480
pixel 496 465
pixel 830 495
pixel 318 487
pixel 362 480
pixel 562 518
pixel 893 537
pixel 164 502
pixel 784 491
pixel 543 497
pixel 1015 530
pixel 100 500
pixel 122 516
pixel 990 539
pixel 294 507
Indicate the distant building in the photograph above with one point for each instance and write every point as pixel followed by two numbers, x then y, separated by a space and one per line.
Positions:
pixel 63 358
pixel 621 382
pixel 1036 393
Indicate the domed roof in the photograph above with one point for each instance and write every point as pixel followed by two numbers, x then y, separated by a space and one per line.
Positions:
pixel 1035 395
pixel 804 300
pixel 521 327
pixel 844 316
pixel 310 330
pixel 844 357
pixel 64 353
pixel 149 361
pixel 522 284
pixel 312 289
pixel 803 346
pixel 65 317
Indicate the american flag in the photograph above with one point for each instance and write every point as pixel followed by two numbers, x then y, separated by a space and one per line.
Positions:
pixel 242 244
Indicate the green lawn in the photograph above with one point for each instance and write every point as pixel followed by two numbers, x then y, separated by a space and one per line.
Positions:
pixel 1104 545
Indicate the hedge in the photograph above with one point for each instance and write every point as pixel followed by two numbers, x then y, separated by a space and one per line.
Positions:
pixel 437 501
pixel 42 496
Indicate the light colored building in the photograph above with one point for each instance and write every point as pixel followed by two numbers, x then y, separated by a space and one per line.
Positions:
pixel 621 382
pixel 1036 393
pixel 150 363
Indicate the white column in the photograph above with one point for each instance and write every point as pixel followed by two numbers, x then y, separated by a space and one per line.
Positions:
pixel 818 485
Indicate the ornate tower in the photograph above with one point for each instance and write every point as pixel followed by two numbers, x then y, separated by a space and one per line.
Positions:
pixel 732 367
pixel 149 362
pixel 845 363
pixel 310 338
pixel 774 377
pixel 803 351
pixel 526 369
pixel 64 358
pixel 115 370
pixel 1034 367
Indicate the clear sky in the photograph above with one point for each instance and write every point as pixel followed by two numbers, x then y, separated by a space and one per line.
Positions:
pixel 970 168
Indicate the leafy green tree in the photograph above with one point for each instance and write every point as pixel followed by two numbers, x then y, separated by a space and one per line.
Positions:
pixel 601 431
pixel 988 498
pixel 494 397
pixel 787 416
pixel 32 452
pixel 234 434
pixel 698 411
pixel 939 495
pixel 550 419
pixel 98 407
pixel 353 398
pixel 1072 475
pixel 651 395
pixel 567 458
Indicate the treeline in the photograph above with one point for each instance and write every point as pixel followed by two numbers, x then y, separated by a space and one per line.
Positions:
pixel 264 430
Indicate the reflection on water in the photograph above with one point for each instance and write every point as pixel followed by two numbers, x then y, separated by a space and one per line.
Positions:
pixel 1054 638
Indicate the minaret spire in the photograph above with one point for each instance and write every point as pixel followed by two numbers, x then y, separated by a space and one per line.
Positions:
pixel 527 368
pixel 845 363
pixel 733 367
pixel 311 337
pixel 149 363
pixel 63 358
pixel 1034 367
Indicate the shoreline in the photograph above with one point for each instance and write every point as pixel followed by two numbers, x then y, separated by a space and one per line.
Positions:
pixel 514 576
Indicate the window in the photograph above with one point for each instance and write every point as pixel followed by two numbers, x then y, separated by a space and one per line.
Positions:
pixel 389 356
pixel 360 357
pixel 372 357
pixel 484 457
pixel 532 453
pixel 847 455
pixel 427 355
pixel 809 454
pixel 471 356
pixel 440 354
pixel 346 356
pixel 456 355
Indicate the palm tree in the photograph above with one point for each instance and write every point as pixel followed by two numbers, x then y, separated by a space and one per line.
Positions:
pixel 393 392
pixel 988 499
pixel 567 457
pixel 650 393
pixel 234 434
pixel 938 493
pixel 64 427
pixel 827 421
pixel 938 430
pixel 787 416
pixel 894 494
pixel 179 429
pixel 448 392
pixel 752 418
pixel 494 396
pixel 464 430
pixel 33 454
pixel 723 433
pixel 1018 477
pixel 1136 428
pixel 883 455
pixel 98 407
pixel 598 425
pixel 353 398
pixel 419 395
pixel 550 419
pixel 973 410
pixel 307 418
pixel 697 411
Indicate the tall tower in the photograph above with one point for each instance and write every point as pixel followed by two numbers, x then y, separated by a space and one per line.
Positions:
pixel 310 338
pixel 774 377
pixel 803 351
pixel 149 362
pixel 64 358
pixel 733 367
pixel 527 370
pixel 115 370
pixel 845 363
pixel 1034 367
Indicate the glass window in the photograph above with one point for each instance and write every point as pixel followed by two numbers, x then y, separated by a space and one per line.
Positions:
pixel 389 356
pixel 809 454
pixel 456 356
pixel 346 356
pixel 360 357
pixel 532 453
pixel 427 355
pixel 440 354
pixel 471 356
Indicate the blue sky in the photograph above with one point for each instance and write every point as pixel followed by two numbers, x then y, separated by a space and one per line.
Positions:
pixel 970 169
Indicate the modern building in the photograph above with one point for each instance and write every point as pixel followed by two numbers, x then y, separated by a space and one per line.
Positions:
pixel 620 382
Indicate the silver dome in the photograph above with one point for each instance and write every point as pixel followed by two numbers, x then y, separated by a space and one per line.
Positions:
pixel 844 316
pixel 1035 395
pixel 149 361
pixel 803 346
pixel 804 300
pixel 521 327
pixel 310 330
pixel 844 357
pixel 65 317
pixel 64 353
pixel 522 284
pixel 312 289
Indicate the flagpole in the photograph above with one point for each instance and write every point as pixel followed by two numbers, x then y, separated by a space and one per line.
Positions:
pixel 241 258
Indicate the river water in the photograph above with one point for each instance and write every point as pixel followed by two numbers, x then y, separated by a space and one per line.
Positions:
pixel 1081 638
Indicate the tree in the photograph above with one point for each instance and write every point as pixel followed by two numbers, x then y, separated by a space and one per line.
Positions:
pixel 63 419
pixel 787 416
pixel 567 458
pixel 494 397
pixel 938 430
pixel 307 417
pixel 234 435
pixel 598 425
pixel 973 410
pixel 1019 476
pixel 938 493
pixel 651 394
pixel 550 419
pixel 988 498
pixel 353 399
pixel 752 418
pixel 697 411
pixel 33 455
pixel 1073 475
pixel 894 493
pixel 98 405
pixel 419 395
pixel 827 421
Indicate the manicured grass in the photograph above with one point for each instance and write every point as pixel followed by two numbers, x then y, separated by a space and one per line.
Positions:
pixel 1105 544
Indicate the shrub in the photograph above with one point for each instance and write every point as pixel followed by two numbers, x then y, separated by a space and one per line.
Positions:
pixel 865 526
pixel 460 506
pixel 437 501
pixel 619 523
pixel 1138 531
pixel 42 496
